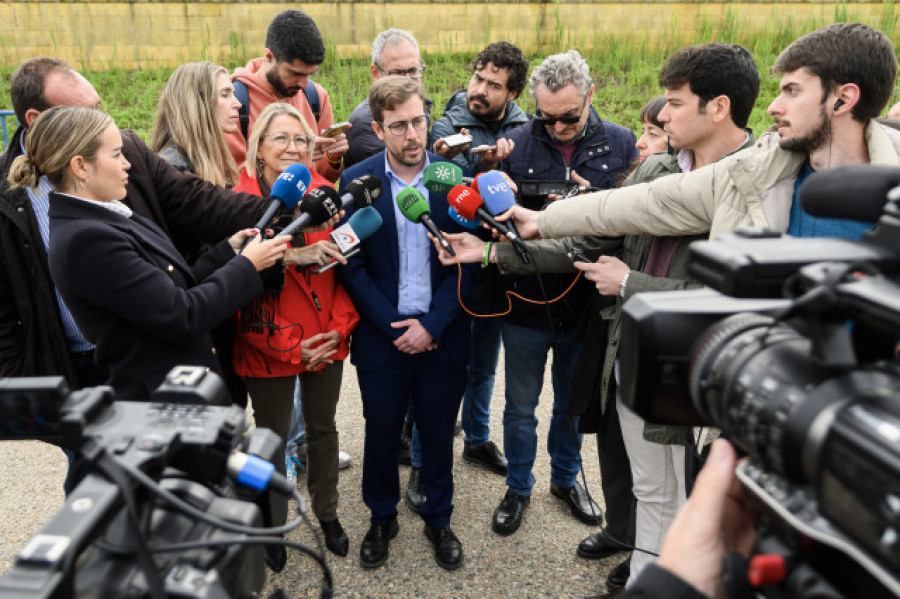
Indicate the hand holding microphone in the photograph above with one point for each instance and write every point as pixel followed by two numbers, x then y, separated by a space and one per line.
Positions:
pixel 499 198
pixel 348 236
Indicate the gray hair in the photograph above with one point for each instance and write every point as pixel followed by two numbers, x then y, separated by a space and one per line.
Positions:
pixel 391 36
pixel 560 70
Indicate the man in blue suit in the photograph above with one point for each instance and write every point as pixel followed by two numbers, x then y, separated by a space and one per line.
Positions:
pixel 413 337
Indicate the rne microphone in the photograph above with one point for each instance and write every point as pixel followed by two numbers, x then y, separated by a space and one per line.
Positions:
pixel 498 198
pixel 287 191
pixel 415 208
pixel 469 204
pixel 320 205
pixel 348 236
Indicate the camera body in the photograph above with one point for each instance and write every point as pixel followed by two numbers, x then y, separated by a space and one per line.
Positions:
pixel 179 438
pixel 792 353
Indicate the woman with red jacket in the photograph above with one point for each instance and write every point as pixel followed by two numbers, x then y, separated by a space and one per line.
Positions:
pixel 303 330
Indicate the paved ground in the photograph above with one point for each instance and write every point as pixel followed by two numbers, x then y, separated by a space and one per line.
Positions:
pixel 538 561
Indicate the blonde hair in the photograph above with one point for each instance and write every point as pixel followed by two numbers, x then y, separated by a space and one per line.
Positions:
pixel 187 117
pixel 261 128
pixel 55 137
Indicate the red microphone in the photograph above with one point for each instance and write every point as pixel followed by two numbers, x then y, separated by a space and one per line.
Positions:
pixel 468 204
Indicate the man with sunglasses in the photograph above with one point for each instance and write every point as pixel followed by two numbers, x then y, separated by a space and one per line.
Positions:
pixel 394 52
pixel 294 51
pixel 412 341
pixel 566 140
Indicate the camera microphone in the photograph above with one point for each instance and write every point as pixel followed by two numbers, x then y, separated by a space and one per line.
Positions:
pixel 855 192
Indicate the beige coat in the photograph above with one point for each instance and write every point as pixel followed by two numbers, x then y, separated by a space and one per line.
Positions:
pixel 754 187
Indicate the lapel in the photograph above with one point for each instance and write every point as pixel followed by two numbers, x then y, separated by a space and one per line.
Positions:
pixel 385 207
pixel 149 235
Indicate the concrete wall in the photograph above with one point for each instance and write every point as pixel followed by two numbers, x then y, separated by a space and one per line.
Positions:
pixel 99 33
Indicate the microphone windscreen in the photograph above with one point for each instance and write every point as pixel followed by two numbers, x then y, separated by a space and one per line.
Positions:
pixel 365 221
pixel 364 191
pixel 465 201
pixel 412 204
pixel 855 192
pixel 291 185
pixel 465 222
pixel 495 191
pixel 321 204
pixel 440 177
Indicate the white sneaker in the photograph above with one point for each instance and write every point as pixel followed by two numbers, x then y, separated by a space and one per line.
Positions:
pixel 344 460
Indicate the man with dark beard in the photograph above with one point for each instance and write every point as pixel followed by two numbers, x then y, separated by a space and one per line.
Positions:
pixel 834 82
pixel 294 51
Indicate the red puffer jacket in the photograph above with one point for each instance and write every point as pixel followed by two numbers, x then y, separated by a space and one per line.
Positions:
pixel 309 304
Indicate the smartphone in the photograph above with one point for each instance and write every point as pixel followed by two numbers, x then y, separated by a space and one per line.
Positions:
pixel 576 255
pixel 336 129
pixel 457 140
pixel 482 149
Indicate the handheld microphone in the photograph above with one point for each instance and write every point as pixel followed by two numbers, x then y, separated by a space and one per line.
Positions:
pixel 415 208
pixel 348 236
pixel 855 192
pixel 319 205
pixel 287 191
pixel 441 177
pixel 362 191
pixel 498 198
pixel 469 204
pixel 465 222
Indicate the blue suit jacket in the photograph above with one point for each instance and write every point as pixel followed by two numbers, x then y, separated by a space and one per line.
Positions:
pixel 371 279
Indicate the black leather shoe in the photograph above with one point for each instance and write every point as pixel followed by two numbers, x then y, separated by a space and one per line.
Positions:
pixel 488 455
pixel 415 491
pixel 374 549
pixel 580 503
pixel 508 515
pixel 276 557
pixel 598 546
pixel 335 538
pixel 447 548
pixel 616 579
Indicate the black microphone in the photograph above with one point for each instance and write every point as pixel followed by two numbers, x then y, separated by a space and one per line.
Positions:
pixel 855 192
pixel 319 205
pixel 362 191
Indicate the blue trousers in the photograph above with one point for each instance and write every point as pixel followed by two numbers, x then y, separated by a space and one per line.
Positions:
pixel 476 405
pixel 526 352
pixel 435 386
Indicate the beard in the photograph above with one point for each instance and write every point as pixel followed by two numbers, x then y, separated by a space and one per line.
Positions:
pixel 484 111
pixel 401 156
pixel 279 87
pixel 812 141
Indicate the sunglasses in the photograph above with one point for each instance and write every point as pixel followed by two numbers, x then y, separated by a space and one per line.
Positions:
pixel 549 121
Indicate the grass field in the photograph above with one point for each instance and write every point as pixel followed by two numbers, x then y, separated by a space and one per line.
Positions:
pixel 625 73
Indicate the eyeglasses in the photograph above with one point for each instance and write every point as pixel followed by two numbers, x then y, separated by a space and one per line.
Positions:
pixel 282 140
pixel 398 128
pixel 549 121
pixel 413 73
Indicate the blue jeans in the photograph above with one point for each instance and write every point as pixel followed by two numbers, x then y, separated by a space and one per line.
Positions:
pixel 297 434
pixel 476 405
pixel 526 356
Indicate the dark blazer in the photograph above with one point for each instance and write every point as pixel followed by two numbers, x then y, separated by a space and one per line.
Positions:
pixel 191 211
pixel 134 296
pixel 371 279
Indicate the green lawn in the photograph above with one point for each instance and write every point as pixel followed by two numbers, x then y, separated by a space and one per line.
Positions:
pixel 624 73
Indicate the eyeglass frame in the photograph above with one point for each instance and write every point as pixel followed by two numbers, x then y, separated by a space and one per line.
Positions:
pixel 308 140
pixel 406 125
pixel 549 121
pixel 412 73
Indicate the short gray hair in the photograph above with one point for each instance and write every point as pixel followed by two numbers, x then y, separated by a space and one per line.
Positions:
pixel 560 70
pixel 391 36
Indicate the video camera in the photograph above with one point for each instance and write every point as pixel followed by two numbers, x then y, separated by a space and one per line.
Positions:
pixel 799 369
pixel 174 499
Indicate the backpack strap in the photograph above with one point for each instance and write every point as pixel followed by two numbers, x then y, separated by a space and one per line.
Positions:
pixel 243 96
pixel 312 96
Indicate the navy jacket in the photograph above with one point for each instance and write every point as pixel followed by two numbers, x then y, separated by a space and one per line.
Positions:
pixel 602 154
pixel 371 279
pixel 134 296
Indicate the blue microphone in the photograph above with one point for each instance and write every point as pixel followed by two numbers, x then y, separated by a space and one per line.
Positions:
pixel 348 236
pixel 465 222
pixel 498 198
